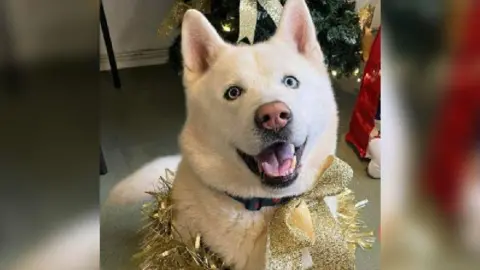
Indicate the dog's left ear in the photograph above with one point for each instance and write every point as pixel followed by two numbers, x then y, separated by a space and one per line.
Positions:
pixel 297 29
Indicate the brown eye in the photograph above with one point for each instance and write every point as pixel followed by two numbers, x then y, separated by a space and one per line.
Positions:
pixel 233 93
pixel 291 82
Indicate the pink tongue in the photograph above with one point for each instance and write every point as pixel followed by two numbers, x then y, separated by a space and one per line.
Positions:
pixel 276 171
pixel 277 160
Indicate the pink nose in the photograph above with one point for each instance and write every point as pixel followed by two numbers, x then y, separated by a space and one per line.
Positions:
pixel 273 115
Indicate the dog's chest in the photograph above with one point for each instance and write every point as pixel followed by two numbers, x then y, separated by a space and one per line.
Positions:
pixel 236 234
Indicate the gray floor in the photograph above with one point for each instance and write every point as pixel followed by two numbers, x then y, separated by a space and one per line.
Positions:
pixel 141 121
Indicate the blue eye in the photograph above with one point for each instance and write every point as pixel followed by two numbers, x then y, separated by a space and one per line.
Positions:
pixel 233 92
pixel 291 82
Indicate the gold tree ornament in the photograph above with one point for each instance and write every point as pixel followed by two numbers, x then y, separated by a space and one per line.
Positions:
pixel 365 15
pixel 175 16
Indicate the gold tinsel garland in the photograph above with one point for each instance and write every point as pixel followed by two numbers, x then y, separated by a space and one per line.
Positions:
pixel 160 249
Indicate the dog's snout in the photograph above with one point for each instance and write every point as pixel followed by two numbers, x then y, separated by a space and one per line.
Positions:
pixel 273 116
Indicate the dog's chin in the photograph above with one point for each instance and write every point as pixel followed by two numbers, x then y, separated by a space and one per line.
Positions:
pixel 277 165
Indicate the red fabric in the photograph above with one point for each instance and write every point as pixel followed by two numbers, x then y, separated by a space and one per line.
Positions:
pixel 457 125
pixel 362 121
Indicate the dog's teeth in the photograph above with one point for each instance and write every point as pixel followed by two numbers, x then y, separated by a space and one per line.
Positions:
pixel 294 162
pixel 292 147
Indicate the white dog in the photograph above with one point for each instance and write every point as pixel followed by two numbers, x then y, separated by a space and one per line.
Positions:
pixel 261 120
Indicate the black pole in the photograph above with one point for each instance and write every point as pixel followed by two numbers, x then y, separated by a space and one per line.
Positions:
pixel 103 164
pixel 9 69
pixel 108 44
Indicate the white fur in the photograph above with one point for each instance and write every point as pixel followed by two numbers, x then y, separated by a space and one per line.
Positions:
pixel 133 188
pixel 214 127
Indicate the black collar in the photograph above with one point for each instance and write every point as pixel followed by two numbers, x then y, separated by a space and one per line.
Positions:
pixel 255 204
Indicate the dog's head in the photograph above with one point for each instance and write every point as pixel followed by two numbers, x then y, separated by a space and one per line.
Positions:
pixel 260 119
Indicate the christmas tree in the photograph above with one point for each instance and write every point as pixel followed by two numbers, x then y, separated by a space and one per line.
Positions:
pixel 336 22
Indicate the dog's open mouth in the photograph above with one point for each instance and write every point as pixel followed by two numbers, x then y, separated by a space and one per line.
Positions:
pixel 277 165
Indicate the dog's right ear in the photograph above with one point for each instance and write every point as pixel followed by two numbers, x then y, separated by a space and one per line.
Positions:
pixel 200 42
pixel 297 29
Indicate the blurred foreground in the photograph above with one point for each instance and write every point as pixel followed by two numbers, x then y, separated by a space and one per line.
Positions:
pixel 431 107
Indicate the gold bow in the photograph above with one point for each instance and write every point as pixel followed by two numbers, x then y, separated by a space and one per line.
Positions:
pixel 248 16
pixel 304 233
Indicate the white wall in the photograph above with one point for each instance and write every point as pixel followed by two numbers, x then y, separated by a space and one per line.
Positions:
pixel 133 28
pixel 377 16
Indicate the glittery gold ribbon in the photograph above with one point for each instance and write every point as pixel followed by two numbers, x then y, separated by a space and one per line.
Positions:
pixel 334 241
pixel 248 16
pixel 175 16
